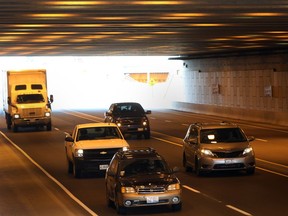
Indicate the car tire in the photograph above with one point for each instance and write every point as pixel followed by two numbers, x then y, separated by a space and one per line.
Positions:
pixel 250 171
pixel 108 200
pixel 69 166
pixel 147 135
pixel 185 165
pixel 177 207
pixel 197 168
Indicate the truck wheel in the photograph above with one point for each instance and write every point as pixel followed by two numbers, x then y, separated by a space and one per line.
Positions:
pixel 8 121
pixel 49 126
pixel 76 171
pixel 15 128
pixel 147 135
pixel 69 166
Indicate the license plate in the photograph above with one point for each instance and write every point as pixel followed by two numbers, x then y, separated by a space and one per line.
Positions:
pixel 228 161
pixel 140 129
pixel 103 166
pixel 152 199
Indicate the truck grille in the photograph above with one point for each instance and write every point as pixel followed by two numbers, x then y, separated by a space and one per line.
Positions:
pixel 31 112
pixel 100 154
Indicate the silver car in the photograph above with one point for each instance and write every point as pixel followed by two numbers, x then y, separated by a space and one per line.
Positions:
pixel 217 147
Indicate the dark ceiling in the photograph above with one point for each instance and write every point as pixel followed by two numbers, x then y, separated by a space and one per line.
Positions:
pixel 144 28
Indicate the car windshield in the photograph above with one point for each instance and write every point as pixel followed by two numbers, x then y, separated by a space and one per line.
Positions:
pixel 129 108
pixel 94 133
pixel 143 166
pixel 227 135
pixel 30 98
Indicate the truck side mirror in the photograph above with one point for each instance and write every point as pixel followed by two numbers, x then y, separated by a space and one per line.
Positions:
pixel 69 139
pixel 148 112
pixel 51 98
pixel 9 100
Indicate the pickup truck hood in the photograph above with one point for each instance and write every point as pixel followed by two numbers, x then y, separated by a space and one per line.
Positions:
pixel 103 143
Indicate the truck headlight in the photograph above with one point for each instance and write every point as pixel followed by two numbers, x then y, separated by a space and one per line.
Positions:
pixel 127 190
pixel 79 152
pixel 17 116
pixel 173 187
pixel 47 114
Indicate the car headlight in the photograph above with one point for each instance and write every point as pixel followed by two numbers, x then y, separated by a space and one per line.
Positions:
pixel 207 152
pixel 47 114
pixel 79 152
pixel 248 150
pixel 17 116
pixel 127 190
pixel 173 187
pixel 145 122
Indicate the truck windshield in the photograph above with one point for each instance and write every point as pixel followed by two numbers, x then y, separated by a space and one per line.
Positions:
pixel 30 98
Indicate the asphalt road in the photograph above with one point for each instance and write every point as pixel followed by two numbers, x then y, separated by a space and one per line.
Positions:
pixel 264 193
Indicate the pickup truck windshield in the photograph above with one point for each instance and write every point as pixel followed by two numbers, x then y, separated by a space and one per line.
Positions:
pixel 30 98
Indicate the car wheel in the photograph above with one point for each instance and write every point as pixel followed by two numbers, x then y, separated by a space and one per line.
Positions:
pixel 69 166
pixel 119 209
pixel 76 171
pixel 177 207
pixel 108 200
pixel 250 171
pixel 185 165
pixel 147 135
pixel 197 168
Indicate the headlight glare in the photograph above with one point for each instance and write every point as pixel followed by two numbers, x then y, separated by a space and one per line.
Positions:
pixel 47 114
pixel 16 116
pixel 207 152
pixel 127 190
pixel 79 153
pixel 247 151
pixel 173 187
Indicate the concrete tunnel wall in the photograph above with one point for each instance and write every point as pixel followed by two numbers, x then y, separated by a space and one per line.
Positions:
pixel 252 87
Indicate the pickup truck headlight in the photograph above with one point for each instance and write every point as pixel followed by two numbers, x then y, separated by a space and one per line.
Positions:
pixel 16 116
pixel 47 114
pixel 173 187
pixel 79 152
pixel 207 152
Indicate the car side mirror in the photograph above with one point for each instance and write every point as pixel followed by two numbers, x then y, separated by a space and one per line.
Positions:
pixel 69 139
pixel 175 169
pixel 148 112
pixel 51 98
pixel 110 173
pixel 107 113
pixel 251 138
pixel 192 140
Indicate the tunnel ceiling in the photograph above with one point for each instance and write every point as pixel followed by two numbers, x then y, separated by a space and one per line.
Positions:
pixel 145 28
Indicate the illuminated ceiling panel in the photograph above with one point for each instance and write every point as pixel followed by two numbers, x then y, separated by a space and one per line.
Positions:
pixel 159 27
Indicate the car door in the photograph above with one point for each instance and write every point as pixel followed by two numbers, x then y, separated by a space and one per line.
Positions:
pixel 191 143
pixel 111 176
pixel 69 145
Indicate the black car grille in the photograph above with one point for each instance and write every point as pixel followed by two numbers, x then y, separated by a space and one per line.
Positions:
pixel 233 154
pixel 151 189
pixel 101 154
pixel 229 166
pixel 134 121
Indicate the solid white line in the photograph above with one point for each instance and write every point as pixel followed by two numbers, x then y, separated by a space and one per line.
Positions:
pixel 263 140
pixel 51 177
pixel 238 210
pixel 163 140
pixel 276 164
pixel 270 171
pixel 191 189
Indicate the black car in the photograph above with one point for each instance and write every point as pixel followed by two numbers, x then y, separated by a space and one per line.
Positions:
pixel 130 117
pixel 141 177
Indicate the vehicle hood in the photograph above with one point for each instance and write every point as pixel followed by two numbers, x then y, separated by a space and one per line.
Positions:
pixel 130 114
pixel 105 143
pixel 145 179
pixel 232 146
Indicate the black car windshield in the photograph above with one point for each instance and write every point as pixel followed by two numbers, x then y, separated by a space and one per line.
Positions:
pixel 143 166
pixel 227 135
pixel 93 133
pixel 129 108
pixel 30 98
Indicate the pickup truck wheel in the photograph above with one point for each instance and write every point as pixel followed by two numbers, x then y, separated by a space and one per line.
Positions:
pixel 49 127
pixel 147 135
pixel 76 171
pixel 69 166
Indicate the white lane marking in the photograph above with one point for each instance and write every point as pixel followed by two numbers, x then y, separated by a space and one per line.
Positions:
pixel 185 125
pixel 276 164
pixel 238 210
pixel 51 177
pixel 270 171
pixel 168 121
pixel 163 140
pixel 229 206
pixel 191 189
pixel 263 140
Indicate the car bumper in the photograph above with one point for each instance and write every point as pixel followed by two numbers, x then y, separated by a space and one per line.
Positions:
pixel 92 165
pixel 134 129
pixel 218 164
pixel 137 200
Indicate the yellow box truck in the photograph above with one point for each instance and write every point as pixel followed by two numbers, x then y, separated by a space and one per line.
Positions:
pixel 25 99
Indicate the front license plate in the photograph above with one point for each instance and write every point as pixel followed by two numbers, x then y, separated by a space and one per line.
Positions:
pixel 140 129
pixel 152 199
pixel 228 161
pixel 103 166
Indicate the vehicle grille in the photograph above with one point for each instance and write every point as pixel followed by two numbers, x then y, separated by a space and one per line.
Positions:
pixel 229 154
pixel 229 166
pixel 134 121
pixel 101 154
pixel 151 189
pixel 31 112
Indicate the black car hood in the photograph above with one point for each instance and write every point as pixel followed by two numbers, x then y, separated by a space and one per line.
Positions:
pixel 149 179
pixel 129 114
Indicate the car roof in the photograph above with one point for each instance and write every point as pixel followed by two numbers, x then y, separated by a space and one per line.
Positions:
pixel 122 103
pixel 215 125
pixel 137 153
pixel 97 124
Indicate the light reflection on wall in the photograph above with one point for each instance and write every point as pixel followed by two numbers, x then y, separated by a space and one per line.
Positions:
pixel 96 82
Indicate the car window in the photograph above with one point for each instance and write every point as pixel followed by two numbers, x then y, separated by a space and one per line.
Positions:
pixel 227 135
pixel 144 166
pixel 98 133
pixel 129 108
